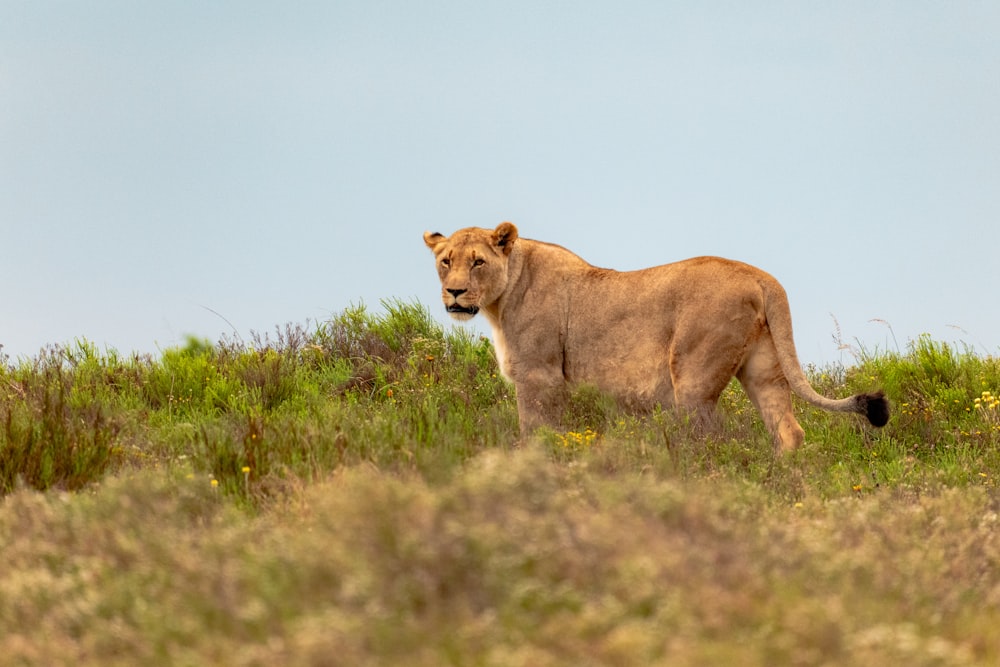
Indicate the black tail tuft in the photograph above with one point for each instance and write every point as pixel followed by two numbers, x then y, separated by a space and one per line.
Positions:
pixel 875 407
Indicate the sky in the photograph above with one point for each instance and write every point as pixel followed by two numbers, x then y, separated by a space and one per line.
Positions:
pixel 220 168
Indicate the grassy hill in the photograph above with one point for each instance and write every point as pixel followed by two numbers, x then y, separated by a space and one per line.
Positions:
pixel 353 492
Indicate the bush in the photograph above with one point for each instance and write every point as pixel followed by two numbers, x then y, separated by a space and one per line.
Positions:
pixel 394 389
pixel 56 430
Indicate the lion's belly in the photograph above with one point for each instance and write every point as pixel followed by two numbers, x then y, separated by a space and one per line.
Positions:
pixel 639 375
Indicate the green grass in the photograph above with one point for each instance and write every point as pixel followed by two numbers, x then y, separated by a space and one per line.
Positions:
pixel 354 492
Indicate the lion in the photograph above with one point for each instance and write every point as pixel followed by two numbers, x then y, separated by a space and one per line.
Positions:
pixel 670 335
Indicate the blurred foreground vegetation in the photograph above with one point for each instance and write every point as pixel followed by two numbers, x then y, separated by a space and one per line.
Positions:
pixel 353 492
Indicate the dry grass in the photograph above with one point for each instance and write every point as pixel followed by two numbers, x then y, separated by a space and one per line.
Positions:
pixel 516 561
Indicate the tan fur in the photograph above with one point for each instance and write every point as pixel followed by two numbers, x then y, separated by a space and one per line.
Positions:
pixel 671 335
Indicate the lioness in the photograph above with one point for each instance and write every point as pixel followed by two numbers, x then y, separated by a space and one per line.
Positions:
pixel 671 335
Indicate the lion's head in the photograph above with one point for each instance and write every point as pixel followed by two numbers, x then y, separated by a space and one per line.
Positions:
pixel 472 265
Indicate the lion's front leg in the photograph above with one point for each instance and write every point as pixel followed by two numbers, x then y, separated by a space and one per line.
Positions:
pixel 541 400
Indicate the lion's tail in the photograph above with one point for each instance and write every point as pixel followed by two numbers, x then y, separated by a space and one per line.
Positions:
pixel 874 406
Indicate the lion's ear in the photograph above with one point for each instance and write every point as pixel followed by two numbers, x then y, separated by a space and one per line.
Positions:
pixel 433 239
pixel 504 236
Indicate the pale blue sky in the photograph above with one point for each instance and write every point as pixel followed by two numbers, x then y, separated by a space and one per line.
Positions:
pixel 277 161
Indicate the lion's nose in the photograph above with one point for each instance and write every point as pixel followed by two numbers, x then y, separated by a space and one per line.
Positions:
pixel 456 292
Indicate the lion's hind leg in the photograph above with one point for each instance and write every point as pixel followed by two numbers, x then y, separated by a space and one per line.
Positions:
pixel 768 390
pixel 696 390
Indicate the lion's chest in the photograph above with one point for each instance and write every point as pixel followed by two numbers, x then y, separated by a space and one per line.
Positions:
pixel 501 352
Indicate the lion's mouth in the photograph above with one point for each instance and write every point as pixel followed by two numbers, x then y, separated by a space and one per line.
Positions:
pixel 462 310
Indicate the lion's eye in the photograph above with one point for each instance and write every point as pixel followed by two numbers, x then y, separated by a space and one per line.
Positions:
pixel 446 262
pixel 478 262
